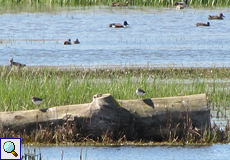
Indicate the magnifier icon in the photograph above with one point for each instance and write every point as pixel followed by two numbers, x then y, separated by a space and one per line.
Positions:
pixel 9 147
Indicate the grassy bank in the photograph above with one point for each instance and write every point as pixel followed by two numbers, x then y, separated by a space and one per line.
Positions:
pixel 75 86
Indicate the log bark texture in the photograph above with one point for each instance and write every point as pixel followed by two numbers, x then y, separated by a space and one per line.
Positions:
pixel 155 118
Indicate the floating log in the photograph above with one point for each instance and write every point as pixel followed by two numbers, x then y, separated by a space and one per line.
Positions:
pixel 155 118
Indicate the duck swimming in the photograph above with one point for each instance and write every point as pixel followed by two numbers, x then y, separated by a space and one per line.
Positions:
pixel 203 24
pixel 76 41
pixel 67 42
pixel 117 25
pixel 219 17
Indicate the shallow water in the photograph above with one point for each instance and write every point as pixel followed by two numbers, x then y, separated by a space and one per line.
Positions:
pixel 218 152
pixel 155 37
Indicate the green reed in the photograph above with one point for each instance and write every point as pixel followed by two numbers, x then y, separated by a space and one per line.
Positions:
pixel 52 4
pixel 75 86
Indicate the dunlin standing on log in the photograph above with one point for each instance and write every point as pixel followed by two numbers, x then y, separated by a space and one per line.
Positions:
pixel 140 92
pixel 36 100
pixel 12 63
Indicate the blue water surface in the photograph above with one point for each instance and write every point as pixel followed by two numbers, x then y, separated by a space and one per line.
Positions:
pixel 155 37
pixel 212 152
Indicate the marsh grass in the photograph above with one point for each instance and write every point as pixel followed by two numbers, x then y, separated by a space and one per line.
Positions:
pixel 47 5
pixel 65 86
pixel 60 86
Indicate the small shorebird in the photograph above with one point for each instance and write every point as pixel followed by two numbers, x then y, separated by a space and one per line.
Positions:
pixel 76 42
pixel 203 24
pixel 117 25
pixel 140 92
pixel 219 17
pixel 36 100
pixel 12 63
pixel 67 42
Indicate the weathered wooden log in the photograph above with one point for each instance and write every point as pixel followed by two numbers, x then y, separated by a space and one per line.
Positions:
pixel 157 118
pixel 154 118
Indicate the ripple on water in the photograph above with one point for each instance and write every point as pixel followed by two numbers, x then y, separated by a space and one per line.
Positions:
pixel 155 36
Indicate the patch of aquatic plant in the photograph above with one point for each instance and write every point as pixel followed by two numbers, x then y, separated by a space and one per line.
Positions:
pixel 64 86
pixel 31 155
